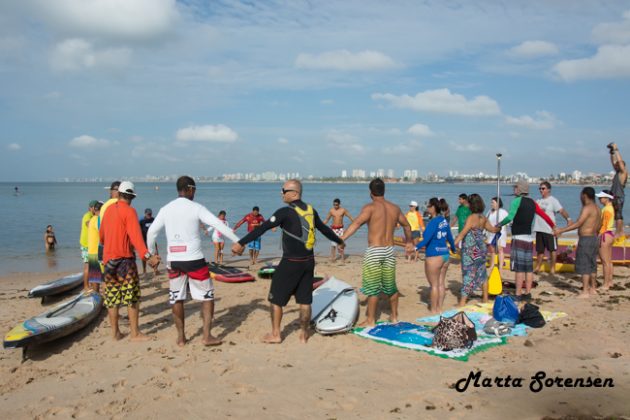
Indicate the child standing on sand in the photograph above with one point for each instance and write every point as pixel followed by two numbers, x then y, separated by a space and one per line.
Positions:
pixel 217 239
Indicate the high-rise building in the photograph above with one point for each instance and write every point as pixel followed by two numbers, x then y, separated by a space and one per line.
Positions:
pixel 344 174
pixel 390 173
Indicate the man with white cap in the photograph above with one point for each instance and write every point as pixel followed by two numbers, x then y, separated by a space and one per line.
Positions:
pixel 120 235
pixel 337 213
pixel 414 218
pixel 522 212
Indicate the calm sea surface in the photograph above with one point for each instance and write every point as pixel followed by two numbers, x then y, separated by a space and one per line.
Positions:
pixel 23 218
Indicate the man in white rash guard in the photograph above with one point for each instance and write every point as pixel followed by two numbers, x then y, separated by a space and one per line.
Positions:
pixel 187 268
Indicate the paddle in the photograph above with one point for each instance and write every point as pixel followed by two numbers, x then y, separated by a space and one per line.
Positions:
pixel 495 285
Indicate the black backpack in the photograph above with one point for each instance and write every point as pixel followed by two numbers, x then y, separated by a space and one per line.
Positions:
pixel 530 315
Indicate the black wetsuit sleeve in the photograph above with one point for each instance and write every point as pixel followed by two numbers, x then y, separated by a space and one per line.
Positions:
pixel 274 221
pixel 327 231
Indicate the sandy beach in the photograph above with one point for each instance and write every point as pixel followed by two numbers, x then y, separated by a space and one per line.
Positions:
pixel 87 375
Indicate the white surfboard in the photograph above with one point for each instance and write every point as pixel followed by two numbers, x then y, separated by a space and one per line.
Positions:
pixel 335 307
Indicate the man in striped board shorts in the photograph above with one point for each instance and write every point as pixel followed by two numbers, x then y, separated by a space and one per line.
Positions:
pixel 379 264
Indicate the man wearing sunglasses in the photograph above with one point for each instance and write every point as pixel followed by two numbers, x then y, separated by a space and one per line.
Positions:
pixel 294 275
pixel 545 240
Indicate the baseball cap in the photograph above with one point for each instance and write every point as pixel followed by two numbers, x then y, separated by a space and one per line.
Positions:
pixel 414 203
pixel 148 211
pixel 522 187
pixel 605 193
pixel 127 187
pixel 93 203
pixel 114 186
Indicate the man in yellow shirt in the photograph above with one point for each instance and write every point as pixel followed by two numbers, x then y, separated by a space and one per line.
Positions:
pixel 95 269
pixel 414 218
pixel 83 239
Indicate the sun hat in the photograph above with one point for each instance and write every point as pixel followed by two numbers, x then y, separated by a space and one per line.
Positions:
pixel 605 193
pixel 127 187
pixel 522 187
pixel 414 203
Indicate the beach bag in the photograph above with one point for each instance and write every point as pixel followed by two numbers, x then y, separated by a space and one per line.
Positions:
pixel 505 310
pixel 530 315
pixel 455 332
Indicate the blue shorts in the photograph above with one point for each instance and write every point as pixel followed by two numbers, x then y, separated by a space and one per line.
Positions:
pixel 255 244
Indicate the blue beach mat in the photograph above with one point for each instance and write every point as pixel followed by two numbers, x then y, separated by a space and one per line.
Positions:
pixel 419 338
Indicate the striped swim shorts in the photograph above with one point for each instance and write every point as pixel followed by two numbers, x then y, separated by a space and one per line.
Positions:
pixel 521 258
pixel 379 271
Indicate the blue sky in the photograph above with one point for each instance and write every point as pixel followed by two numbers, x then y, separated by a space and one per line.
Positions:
pixel 115 88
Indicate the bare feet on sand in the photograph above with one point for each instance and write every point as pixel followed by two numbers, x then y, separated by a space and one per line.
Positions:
pixel 584 295
pixel 212 341
pixel 593 291
pixel 271 339
pixel 393 320
pixel 181 341
pixel 118 336
pixel 367 323
pixel 304 336
pixel 140 338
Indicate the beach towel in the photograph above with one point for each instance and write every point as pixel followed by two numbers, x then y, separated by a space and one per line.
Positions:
pixel 420 337
pixel 482 312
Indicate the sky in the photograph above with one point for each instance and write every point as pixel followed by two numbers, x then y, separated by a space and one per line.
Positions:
pixel 115 88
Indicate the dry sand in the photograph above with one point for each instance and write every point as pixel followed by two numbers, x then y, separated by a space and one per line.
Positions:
pixel 87 375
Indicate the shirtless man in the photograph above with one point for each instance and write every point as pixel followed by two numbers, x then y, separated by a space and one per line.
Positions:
pixel 618 185
pixel 337 213
pixel 588 243
pixel 379 264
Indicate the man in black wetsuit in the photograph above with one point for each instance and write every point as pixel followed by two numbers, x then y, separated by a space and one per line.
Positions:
pixel 294 275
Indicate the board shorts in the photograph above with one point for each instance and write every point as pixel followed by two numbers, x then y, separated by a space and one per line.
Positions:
pixel 189 275
pixel 293 277
pixel 618 207
pixel 255 244
pixel 338 231
pixel 521 258
pixel 84 254
pixel 416 234
pixel 379 271
pixel 95 269
pixel 586 255
pixel 545 241
pixel 122 285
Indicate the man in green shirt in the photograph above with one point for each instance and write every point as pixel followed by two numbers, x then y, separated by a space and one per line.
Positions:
pixel 462 213
pixel 83 239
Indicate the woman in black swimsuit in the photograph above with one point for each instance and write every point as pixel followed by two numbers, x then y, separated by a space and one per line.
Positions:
pixel 49 238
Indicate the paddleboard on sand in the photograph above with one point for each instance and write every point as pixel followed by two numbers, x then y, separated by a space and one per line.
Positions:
pixel 57 286
pixel 228 274
pixel 335 307
pixel 65 318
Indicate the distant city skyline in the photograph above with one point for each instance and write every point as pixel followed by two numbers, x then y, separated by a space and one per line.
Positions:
pixel 113 88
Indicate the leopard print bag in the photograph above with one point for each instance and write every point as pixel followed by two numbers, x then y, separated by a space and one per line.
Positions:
pixel 455 332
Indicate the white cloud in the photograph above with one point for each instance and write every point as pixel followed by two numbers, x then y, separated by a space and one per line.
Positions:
pixel 467 148
pixel 420 130
pixel 345 142
pixel 345 60
pixel 211 133
pixel 610 61
pixel 136 139
pixel 78 54
pixel 86 141
pixel 532 49
pixel 613 33
pixel 443 101
pixel 137 20
pixel 13 147
pixel 326 102
pixel 282 140
pixel 542 121
pixel 410 147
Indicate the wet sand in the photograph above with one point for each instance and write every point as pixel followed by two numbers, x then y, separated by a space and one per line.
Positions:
pixel 87 375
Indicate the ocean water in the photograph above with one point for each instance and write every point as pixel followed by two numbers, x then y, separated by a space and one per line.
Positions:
pixel 23 218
